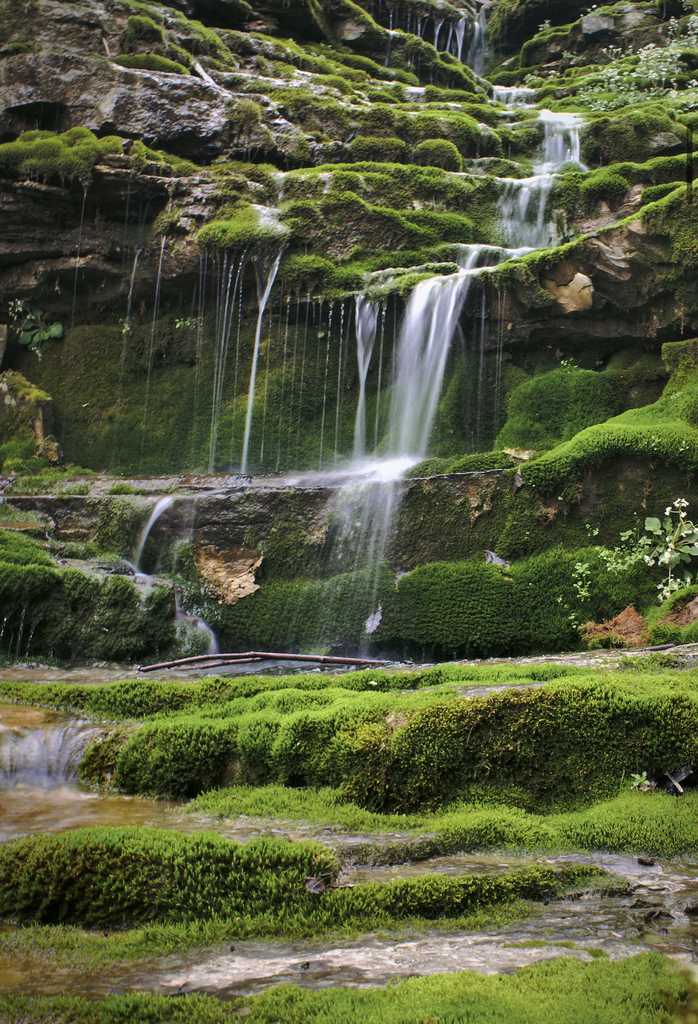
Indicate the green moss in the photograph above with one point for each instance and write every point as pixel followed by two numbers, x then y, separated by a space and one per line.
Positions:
pixel 150 875
pixel 140 27
pixel 606 186
pixel 556 406
pixel 69 613
pixel 438 153
pixel 477 463
pixel 150 62
pixel 378 149
pixel 244 230
pixel 141 156
pixel 47 156
pixel 627 136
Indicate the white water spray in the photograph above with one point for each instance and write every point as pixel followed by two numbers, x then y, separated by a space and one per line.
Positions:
pixel 161 506
pixel 265 283
pixel 366 323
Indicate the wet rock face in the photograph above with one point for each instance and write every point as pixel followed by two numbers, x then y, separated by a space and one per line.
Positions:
pixel 181 112
pixel 606 289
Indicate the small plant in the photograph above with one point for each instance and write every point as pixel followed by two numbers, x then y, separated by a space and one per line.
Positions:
pixel 32 326
pixel 639 782
pixel 673 542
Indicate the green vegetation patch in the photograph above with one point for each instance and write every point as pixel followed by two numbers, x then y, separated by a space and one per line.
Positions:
pixel 561 744
pixel 70 613
pixel 555 406
pixel 46 155
pixel 129 876
pixel 150 62
pixel 653 823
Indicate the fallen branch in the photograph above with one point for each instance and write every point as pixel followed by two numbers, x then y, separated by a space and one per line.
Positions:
pixel 209 660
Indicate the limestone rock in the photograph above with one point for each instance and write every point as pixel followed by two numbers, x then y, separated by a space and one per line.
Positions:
pixel 592 24
pixel 229 575
pixel 662 141
pixel 575 296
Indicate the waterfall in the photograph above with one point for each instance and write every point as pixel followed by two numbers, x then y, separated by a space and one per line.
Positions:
pixel 513 95
pixel 161 506
pixel 430 320
pixel 478 47
pixel 42 758
pixel 265 283
pixel 459 30
pixel 523 201
pixel 366 323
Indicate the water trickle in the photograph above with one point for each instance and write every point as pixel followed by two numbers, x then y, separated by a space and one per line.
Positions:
pixel 161 506
pixel 366 324
pixel 478 46
pixel 225 318
pixel 266 275
pixel 324 393
pixel 437 31
pixel 153 336
pixel 459 31
pixel 340 367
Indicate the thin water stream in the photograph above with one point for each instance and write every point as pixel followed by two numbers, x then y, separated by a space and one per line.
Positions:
pixel 650 915
pixel 39 753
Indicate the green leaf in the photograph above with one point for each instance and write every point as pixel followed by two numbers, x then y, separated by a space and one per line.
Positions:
pixel 26 338
pixel 653 524
pixel 56 331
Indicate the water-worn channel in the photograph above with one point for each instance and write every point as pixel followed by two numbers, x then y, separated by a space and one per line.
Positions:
pixel 39 752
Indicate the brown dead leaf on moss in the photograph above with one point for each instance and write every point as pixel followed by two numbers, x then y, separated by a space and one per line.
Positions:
pixel 682 614
pixel 628 629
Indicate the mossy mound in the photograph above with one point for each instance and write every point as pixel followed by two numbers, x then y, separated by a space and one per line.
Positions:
pixel 68 613
pixel 564 744
pixel 136 876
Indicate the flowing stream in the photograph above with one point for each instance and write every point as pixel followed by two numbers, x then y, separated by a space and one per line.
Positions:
pixel 39 753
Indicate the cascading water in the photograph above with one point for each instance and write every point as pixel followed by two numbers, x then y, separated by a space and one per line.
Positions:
pixel 42 758
pixel 513 95
pixel 477 53
pixel 194 622
pixel 266 275
pixel 366 324
pixel 161 506
pixel 523 202
pixel 430 319
pixel 364 507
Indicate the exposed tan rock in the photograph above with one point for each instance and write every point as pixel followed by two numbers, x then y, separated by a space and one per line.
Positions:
pixel 575 296
pixel 229 575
